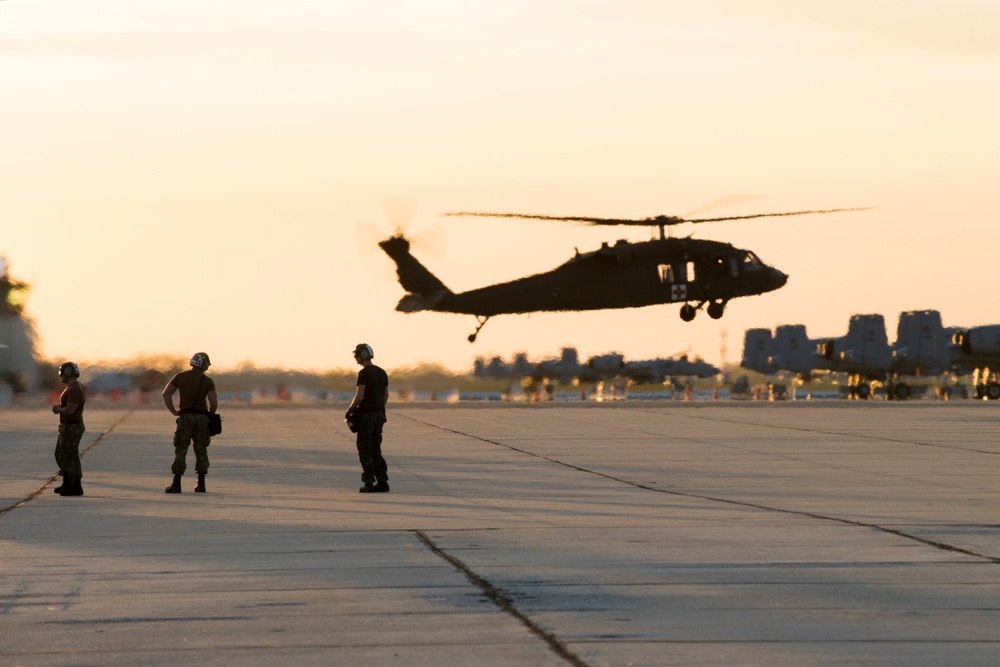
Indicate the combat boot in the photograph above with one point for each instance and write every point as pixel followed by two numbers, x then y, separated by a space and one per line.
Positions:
pixel 175 486
pixel 201 483
pixel 381 487
pixel 72 487
pixel 367 488
pixel 59 488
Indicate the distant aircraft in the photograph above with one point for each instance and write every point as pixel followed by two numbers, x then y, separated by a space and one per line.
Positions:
pixel 567 368
pixel 864 353
pixel 977 349
pixel 658 371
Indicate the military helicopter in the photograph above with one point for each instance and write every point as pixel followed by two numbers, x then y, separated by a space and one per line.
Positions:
pixel 695 272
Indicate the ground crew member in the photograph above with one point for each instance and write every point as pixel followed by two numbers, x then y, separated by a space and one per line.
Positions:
pixel 367 411
pixel 71 429
pixel 197 399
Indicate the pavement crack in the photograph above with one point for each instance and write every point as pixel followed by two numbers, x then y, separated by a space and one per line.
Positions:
pixel 36 493
pixel 503 602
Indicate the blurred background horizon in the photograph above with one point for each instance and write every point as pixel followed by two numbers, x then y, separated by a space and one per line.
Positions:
pixel 184 176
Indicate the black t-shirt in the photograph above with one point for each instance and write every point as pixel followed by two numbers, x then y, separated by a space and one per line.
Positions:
pixel 194 387
pixel 375 381
pixel 73 393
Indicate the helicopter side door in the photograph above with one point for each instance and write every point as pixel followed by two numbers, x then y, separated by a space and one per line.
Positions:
pixel 678 279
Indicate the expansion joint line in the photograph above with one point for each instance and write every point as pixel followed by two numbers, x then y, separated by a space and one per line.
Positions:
pixel 504 603
pixel 866 436
pixel 53 478
pixel 729 501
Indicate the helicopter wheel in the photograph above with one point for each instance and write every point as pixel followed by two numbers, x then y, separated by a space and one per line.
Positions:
pixel 716 309
pixel 481 321
pixel 688 312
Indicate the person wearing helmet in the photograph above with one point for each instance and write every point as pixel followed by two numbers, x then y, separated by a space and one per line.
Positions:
pixel 71 429
pixel 367 412
pixel 197 400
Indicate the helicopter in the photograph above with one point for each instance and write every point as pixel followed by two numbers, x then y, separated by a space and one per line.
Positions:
pixel 694 272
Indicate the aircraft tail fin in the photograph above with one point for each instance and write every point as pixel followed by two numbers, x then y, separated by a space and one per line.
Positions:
pixel 423 288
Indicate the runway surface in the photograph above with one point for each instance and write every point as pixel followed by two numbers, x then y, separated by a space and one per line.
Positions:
pixel 632 533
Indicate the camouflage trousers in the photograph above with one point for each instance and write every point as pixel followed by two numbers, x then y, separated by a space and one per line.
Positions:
pixel 373 466
pixel 191 426
pixel 68 450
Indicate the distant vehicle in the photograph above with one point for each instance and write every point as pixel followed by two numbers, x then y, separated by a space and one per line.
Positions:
pixel 694 272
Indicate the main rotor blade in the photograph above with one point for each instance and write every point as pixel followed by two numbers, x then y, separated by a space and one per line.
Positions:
pixel 722 202
pixel 568 218
pixel 664 220
pixel 777 215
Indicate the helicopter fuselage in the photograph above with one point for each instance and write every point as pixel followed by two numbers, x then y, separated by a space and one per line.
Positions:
pixel 626 275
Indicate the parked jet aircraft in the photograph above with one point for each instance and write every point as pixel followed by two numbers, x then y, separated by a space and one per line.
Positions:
pixel 977 349
pixel 864 353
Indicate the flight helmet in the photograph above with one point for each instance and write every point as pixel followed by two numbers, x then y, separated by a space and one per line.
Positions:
pixel 69 369
pixel 200 360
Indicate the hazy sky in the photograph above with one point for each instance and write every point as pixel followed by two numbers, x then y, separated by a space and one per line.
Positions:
pixel 189 175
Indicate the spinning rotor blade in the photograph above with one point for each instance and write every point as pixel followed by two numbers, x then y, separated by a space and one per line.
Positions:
pixel 722 202
pixel 567 218
pixel 777 215
pixel 658 221
pixel 399 211
pixel 431 241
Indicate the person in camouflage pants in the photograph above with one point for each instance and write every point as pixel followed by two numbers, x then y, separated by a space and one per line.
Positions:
pixel 198 399
pixel 192 428
pixel 68 452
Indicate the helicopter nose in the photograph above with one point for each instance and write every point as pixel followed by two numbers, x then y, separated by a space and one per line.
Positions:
pixel 779 278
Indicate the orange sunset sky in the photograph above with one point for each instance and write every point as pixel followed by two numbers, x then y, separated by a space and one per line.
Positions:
pixel 189 175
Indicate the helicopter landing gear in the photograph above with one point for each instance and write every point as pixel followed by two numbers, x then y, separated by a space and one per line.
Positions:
pixel 715 310
pixel 482 322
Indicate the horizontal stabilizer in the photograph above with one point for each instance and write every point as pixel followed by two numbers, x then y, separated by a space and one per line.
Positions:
pixel 414 302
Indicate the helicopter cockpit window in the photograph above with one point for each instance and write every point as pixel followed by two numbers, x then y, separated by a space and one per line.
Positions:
pixel 734 268
pixel 751 263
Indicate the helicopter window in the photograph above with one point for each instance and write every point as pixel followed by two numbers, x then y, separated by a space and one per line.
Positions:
pixel 734 267
pixel 689 274
pixel 666 273
pixel 751 263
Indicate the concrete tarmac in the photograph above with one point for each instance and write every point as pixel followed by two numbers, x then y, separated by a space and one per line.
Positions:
pixel 634 533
